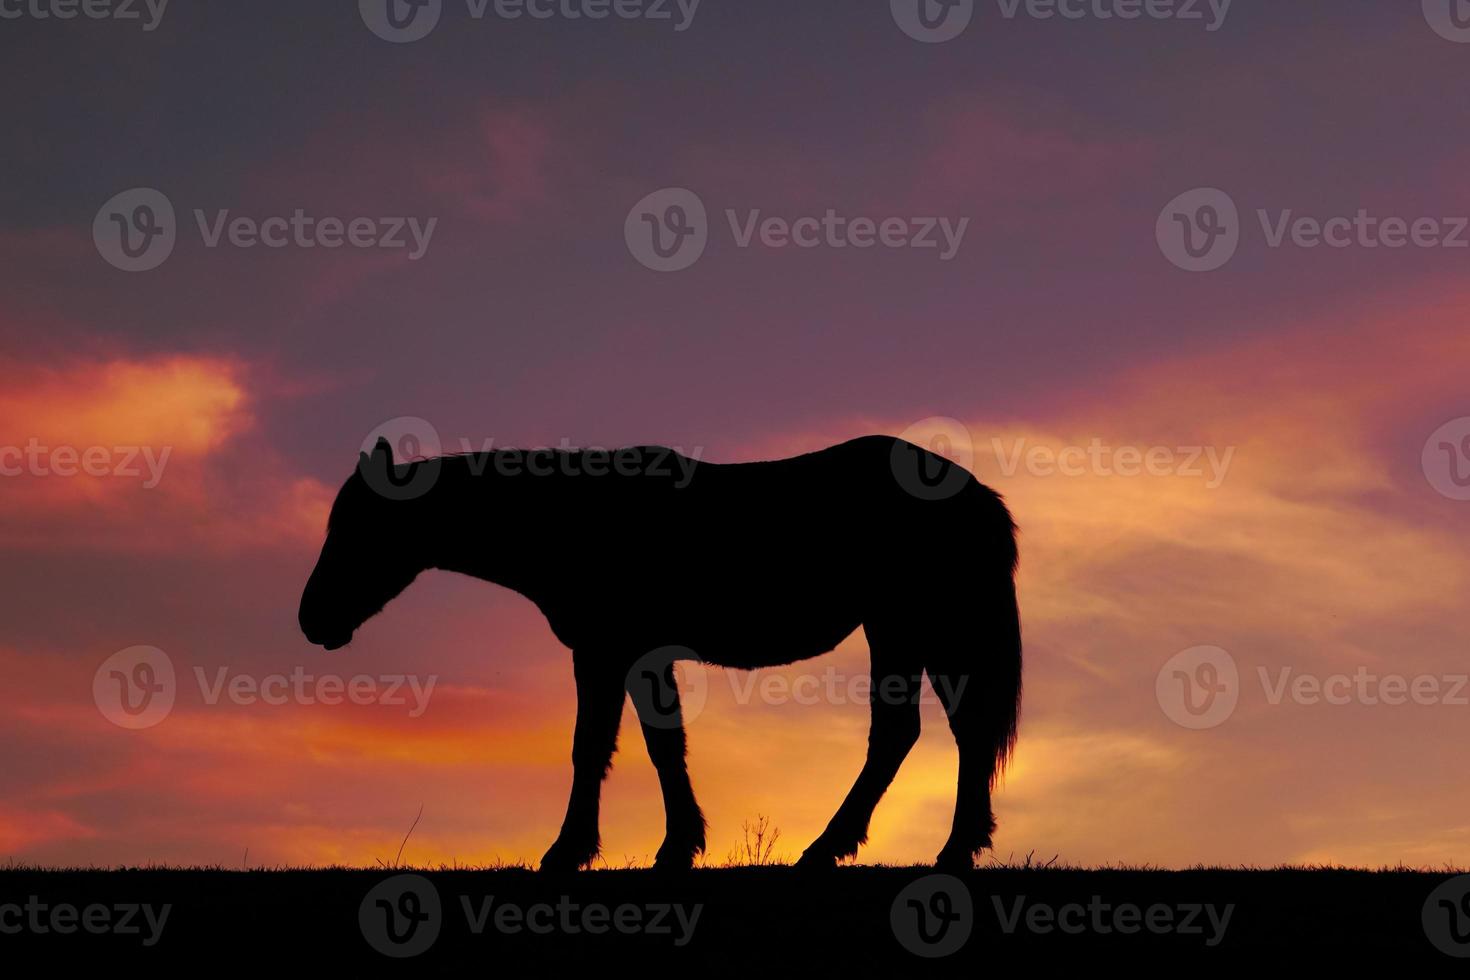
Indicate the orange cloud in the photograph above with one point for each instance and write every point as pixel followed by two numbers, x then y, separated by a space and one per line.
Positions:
pixel 191 403
pixel 124 452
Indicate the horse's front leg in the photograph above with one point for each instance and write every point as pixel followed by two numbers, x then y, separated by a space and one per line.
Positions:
pixel 600 696
pixel 656 697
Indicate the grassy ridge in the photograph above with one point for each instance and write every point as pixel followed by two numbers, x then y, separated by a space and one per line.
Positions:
pixel 730 922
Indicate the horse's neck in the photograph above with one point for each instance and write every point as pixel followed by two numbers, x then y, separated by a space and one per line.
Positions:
pixel 486 524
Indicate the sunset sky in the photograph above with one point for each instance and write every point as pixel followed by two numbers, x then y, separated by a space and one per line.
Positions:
pixel 1298 514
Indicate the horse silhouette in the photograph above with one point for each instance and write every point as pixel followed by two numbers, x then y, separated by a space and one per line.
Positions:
pixel 643 553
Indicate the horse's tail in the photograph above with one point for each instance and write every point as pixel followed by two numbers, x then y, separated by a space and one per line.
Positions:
pixel 999 667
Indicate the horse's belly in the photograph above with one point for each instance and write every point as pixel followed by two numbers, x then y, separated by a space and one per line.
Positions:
pixel 756 637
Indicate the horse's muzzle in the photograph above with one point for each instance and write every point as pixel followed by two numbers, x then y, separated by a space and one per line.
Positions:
pixel 328 641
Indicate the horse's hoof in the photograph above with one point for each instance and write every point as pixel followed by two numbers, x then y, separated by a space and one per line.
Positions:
pixel 811 861
pixel 954 861
pixel 675 860
pixel 680 848
pixel 562 859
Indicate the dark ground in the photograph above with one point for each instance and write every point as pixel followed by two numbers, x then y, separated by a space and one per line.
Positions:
pixel 756 921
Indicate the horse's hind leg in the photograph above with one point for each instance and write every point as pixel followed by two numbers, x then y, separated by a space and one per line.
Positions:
pixel 894 699
pixel 661 717
pixel 977 735
pixel 981 693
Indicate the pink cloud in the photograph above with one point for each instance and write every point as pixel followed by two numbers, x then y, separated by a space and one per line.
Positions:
pixel 495 169
pixel 1011 154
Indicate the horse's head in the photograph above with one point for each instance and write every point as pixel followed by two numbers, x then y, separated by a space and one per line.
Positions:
pixel 369 557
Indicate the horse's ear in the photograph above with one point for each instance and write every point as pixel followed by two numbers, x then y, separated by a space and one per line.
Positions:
pixel 380 461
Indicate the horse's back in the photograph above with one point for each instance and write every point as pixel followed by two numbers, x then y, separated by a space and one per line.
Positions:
pixel 869 483
pixel 770 562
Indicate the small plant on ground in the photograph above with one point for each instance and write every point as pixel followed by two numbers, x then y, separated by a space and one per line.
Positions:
pixel 757 846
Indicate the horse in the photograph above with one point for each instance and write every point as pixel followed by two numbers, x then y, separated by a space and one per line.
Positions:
pixel 641 551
